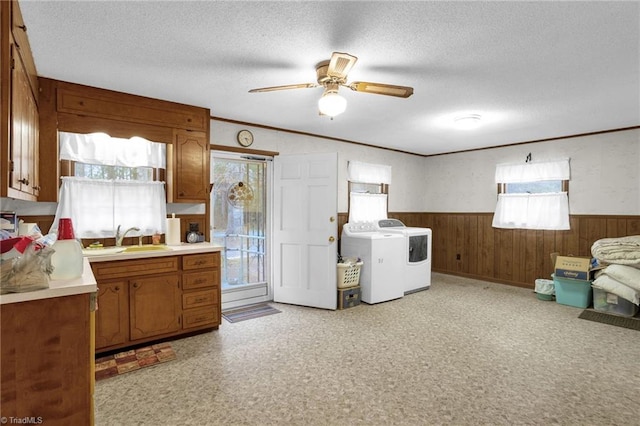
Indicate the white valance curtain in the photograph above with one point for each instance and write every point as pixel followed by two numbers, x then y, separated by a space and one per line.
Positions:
pixel 97 206
pixel 367 207
pixel 368 173
pixel 533 211
pixel 533 171
pixel 102 149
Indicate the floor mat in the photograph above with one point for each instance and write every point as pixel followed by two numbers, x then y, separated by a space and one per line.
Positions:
pixel 249 312
pixel 632 323
pixel 135 359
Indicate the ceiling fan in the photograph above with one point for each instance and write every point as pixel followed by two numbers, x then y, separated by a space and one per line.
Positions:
pixel 331 75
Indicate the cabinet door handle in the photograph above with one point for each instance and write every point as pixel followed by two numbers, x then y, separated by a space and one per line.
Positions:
pixel 24 181
pixel 135 285
pixel 117 288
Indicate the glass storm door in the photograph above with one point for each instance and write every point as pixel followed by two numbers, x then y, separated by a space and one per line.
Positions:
pixel 239 207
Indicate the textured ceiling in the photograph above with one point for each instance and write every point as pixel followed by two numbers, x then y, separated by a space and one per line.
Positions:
pixel 532 70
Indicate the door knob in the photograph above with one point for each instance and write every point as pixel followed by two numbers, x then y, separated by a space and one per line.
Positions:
pixel 332 219
pixel 331 239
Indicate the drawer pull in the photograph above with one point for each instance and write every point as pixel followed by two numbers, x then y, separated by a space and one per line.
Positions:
pixel 200 281
pixel 201 299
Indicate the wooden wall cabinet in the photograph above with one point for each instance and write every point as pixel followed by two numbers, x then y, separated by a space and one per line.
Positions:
pixel 141 300
pixel 77 108
pixel 20 117
pixel 191 165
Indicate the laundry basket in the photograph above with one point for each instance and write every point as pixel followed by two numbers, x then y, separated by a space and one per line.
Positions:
pixel 349 272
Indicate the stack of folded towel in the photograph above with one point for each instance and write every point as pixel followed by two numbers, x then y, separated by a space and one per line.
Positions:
pixel 621 276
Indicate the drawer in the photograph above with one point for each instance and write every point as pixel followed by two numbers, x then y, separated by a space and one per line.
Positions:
pixel 199 298
pixel 130 268
pixel 201 261
pixel 194 280
pixel 199 317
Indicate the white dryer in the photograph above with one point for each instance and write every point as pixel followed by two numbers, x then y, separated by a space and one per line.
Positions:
pixel 416 253
pixel 382 254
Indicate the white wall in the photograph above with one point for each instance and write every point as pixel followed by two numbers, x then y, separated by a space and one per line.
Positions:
pixel 407 170
pixel 605 174
pixel 605 170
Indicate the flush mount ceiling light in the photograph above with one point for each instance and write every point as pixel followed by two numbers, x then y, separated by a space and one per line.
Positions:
pixel 468 122
pixel 331 103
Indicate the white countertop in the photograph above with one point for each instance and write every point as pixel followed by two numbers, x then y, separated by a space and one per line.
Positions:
pixel 173 250
pixel 57 288
pixel 87 282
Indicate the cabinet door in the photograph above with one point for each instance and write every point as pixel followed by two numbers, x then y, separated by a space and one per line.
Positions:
pixel 24 130
pixel 112 316
pixel 155 305
pixel 191 167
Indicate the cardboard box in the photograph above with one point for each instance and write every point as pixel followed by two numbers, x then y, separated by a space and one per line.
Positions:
pixel 348 297
pixel 574 267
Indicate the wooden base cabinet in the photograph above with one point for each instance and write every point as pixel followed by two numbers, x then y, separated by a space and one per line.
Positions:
pixel 154 305
pixel 46 361
pixel 142 300
pixel 112 316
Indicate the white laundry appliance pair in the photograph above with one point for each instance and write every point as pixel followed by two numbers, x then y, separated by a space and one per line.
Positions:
pixel 396 259
pixel 416 253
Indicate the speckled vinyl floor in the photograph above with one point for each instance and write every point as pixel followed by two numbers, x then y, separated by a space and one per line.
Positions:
pixel 464 352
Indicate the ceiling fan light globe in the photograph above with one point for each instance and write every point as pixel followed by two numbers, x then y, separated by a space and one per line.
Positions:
pixel 332 104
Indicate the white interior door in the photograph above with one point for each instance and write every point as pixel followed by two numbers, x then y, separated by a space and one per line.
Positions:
pixel 305 229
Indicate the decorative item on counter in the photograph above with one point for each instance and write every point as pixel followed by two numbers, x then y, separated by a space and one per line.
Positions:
pixel 155 238
pixel 172 237
pixel 67 257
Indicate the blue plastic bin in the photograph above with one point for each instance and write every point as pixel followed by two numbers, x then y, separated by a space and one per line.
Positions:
pixel 572 292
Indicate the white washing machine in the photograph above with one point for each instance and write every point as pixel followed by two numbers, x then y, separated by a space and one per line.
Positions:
pixel 382 254
pixel 416 253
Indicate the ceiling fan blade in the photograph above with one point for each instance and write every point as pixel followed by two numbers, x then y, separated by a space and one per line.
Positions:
pixel 340 64
pixel 381 89
pixel 285 87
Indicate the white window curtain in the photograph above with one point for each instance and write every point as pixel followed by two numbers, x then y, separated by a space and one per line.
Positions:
pixel 533 211
pixel 96 207
pixel 367 207
pixel 368 173
pixel 102 149
pixel 533 171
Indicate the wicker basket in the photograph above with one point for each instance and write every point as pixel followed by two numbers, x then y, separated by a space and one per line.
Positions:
pixel 349 273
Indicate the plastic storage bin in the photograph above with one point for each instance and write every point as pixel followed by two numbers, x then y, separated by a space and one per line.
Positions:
pixel 612 303
pixel 349 273
pixel 572 292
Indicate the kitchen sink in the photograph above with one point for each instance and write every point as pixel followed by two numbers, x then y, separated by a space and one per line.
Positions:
pixel 101 251
pixel 146 247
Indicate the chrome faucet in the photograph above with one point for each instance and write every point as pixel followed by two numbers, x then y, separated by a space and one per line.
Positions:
pixel 119 237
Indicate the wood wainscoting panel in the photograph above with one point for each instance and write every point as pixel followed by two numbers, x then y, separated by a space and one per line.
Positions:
pixel 466 244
